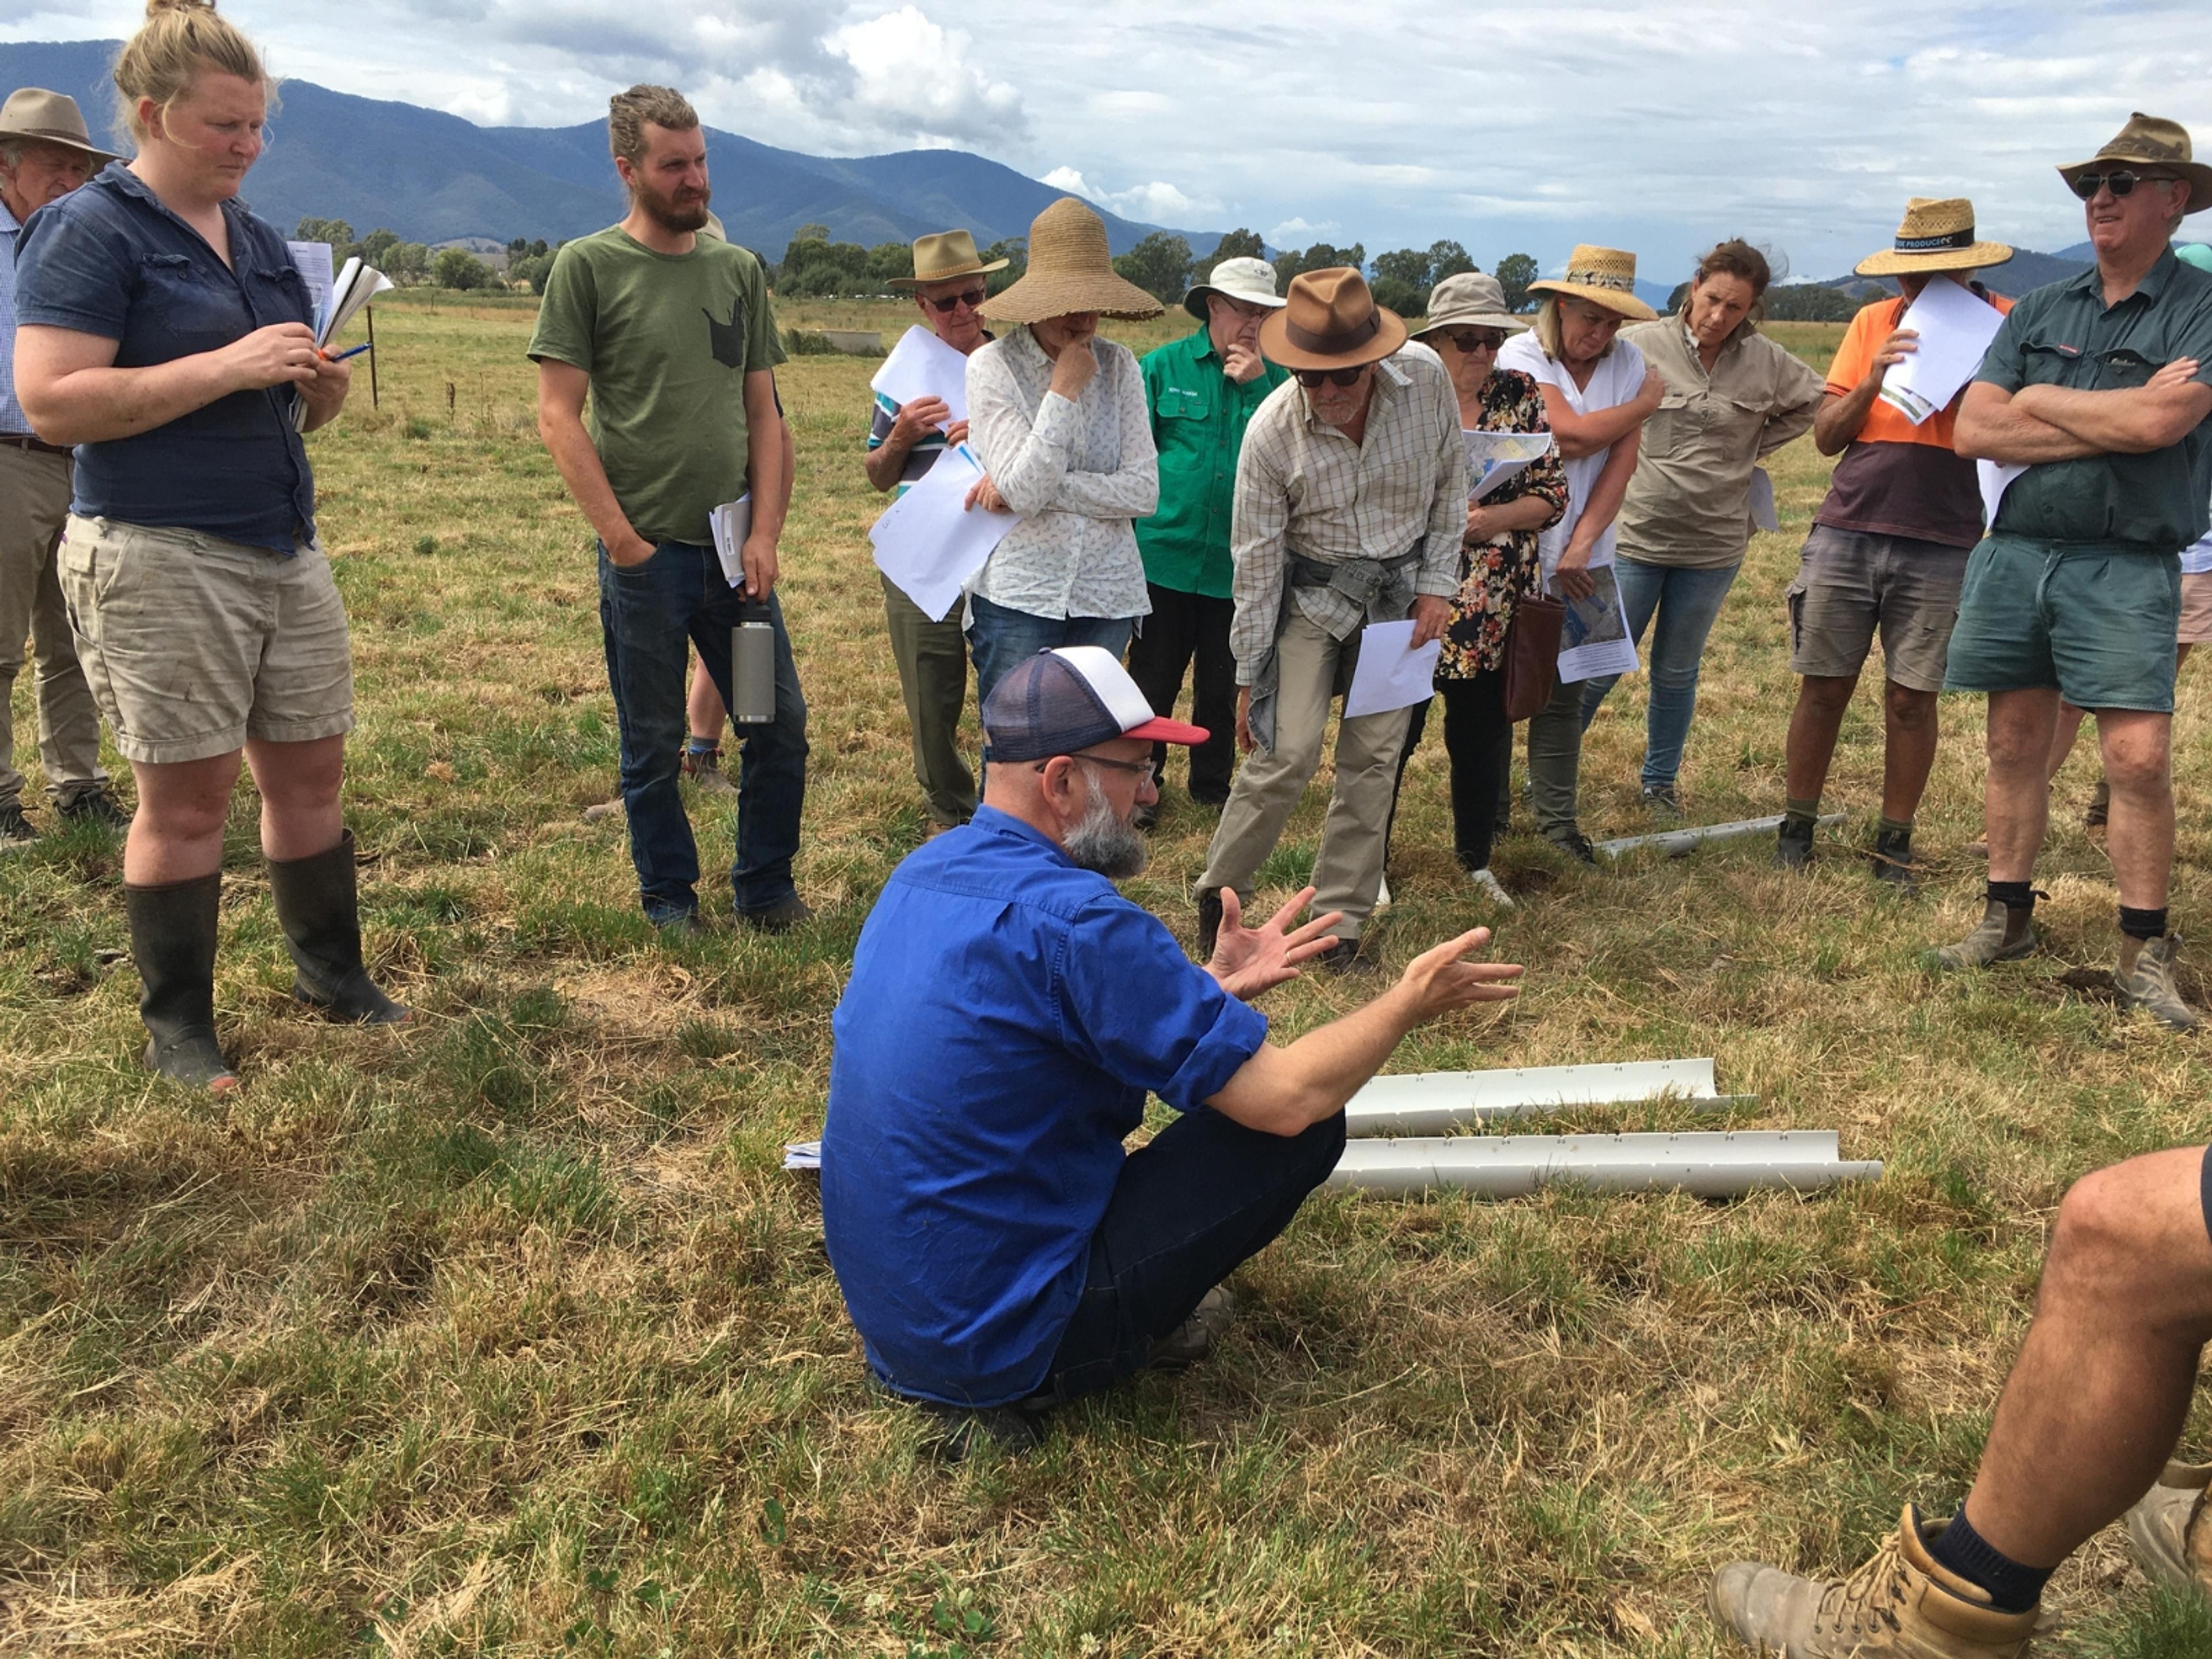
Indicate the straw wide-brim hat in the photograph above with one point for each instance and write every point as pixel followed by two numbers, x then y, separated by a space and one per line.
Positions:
pixel 944 255
pixel 1473 299
pixel 1070 270
pixel 52 118
pixel 1603 276
pixel 1330 321
pixel 1252 280
pixel 1937 233
pixel 2150 140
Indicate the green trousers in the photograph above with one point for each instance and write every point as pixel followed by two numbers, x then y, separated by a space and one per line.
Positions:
pixel 932 670
pixel 1555 761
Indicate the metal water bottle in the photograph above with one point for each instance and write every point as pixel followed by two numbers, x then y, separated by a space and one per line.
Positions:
pixel 752 666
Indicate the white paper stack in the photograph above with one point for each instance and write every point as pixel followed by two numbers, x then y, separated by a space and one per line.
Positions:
pixel 732 522
pixel 1392 672
pixel 930 543
pixel 922 365
pixel 1494 457
pixel 1955 327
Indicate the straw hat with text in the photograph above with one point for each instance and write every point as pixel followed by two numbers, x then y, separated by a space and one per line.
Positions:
pixel 1605 276
pixel 50 117
pixel 2148 141
pixel 1330 321
pixel 1070 270
pixel 941 256
pixel 1937 234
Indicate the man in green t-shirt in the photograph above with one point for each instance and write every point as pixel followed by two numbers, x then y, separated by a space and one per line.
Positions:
pixel 670 336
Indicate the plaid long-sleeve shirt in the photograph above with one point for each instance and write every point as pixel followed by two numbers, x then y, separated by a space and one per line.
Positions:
pixel 1304 488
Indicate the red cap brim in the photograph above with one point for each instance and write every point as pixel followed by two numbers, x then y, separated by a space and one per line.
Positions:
pixel 1160 730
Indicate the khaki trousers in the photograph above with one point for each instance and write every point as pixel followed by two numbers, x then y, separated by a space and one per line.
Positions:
pixel 932 670
pixel 1314 668
pixel 35 503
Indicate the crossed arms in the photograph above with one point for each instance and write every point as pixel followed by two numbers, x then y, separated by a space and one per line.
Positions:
pixel 2040 424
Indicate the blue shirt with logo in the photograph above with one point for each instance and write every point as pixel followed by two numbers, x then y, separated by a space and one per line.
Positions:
pixel 1006 1015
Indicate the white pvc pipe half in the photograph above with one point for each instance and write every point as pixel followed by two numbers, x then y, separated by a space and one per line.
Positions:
pixel 1423 1102
pixel 1710 1166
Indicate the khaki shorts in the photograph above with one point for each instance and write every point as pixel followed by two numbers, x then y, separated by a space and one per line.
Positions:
pixel 1849 582
pixel 193 644
pixel 2195 608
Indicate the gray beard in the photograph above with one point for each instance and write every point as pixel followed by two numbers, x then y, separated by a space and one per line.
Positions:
pixel 1111 846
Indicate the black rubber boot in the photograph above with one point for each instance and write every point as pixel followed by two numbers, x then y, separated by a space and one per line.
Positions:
pixel 320 912
pixel 172 931
pixel 1793 842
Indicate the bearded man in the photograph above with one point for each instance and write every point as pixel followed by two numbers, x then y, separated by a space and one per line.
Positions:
pixel 670 334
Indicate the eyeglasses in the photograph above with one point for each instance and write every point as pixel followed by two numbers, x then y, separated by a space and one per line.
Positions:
pixel 970 297
pixel 1471 340
pixel 2121 181
pixel 1310 377
pixel 1144 769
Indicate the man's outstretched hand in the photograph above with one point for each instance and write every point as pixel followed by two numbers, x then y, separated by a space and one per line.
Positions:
pixel 1249 960
pixel 1440 980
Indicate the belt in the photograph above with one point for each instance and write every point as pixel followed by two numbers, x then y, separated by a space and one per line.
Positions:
pixel 36 446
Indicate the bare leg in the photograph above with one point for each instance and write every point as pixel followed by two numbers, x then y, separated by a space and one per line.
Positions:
pixel 2016 800
pixel 1908 748
pixel 299 785
pixel 2139 762
pixel 2102 1386
pixel 2061 740
pixel 705 705
pixel 1814 724
pixel 177 832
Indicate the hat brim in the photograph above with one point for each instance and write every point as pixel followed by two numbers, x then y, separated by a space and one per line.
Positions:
pixel 82 147
pixel 1160 729
pixel 2196 173
pixel 1037 295
pixel 1194 299
pixel 1429 325
pixel 1619 300
pixel 1889 262
pixel 1275 345
pixel 949 276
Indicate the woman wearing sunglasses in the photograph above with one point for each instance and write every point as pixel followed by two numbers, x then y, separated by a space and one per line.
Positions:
pixel 1467 323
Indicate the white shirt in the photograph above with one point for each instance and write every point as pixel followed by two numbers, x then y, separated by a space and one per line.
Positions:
pixel 1616 379
pixel 2197 557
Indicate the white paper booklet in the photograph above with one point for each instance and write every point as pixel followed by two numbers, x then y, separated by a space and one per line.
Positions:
pixel 1761 501
pixel 1392 672
pixel 922 365
pixel 1494 457
pixel 313 260
pixel 730 523
pixel 1995 477
pixel 355 287
pixel 929 544
pixel 1594 640
pixel 1955 327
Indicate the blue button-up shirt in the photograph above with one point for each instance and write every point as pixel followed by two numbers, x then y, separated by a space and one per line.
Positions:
pixel 13 421
pixel 1007 1014
pixel 110 259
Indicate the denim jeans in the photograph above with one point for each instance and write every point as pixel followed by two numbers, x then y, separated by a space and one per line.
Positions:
pixel 1686 603
pixel 1202 1195
pixel 648 612
pixel 999 638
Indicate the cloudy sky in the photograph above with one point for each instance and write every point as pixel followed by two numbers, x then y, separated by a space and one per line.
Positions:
pixel 1655 128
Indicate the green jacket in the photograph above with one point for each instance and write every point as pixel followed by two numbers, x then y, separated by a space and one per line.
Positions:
pixel 1198 415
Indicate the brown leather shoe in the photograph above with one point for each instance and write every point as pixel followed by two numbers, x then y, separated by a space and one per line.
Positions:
pixel 1900 1605
pixel 2144 979
pixel 2171 1528
pixel 1192 1339
pixel 2001 935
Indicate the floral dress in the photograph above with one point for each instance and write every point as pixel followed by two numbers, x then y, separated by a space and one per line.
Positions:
pixel 1495 577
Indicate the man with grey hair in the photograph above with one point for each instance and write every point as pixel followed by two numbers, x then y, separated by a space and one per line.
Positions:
pixel 44 154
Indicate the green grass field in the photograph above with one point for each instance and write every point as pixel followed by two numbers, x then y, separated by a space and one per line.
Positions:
pixel 507 1333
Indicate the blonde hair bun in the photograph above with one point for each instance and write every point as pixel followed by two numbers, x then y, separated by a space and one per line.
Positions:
pixel 177 42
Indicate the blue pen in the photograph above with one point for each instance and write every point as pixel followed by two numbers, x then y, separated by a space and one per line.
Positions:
pixel 354 351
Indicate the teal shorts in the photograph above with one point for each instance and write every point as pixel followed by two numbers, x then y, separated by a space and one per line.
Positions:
pixel 2097 623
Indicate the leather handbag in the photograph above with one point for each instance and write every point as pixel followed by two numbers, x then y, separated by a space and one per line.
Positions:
pixel 1532 655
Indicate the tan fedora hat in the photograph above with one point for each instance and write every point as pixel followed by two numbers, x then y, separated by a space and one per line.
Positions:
pixel 1069 271
pixel 52 118
pixel 2150 141
pixel 1603 276
pixel 1473 299
pixel 1330 321
pixel 941 256
pixel 1937 233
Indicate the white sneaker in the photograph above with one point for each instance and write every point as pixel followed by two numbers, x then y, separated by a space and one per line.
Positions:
pixel 1490 887
pixel 1383 896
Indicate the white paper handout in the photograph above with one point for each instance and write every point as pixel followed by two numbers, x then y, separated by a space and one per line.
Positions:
pixel 922 365
pixel 355 287
pixel 929 544
pixel 1494 457
pixel 1593 640
pixel 1996 477
pixel 1763 515
pixel 1392 672
pixel 730 524
pixel 313 260
pixel 1955 328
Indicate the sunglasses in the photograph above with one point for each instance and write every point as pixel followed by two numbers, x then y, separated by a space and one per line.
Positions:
pixel 1311 378
pixel 2120 181
pixel 970 297
pixel 1471 340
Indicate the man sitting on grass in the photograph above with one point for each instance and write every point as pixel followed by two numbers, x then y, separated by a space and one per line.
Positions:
pixel 1008 1012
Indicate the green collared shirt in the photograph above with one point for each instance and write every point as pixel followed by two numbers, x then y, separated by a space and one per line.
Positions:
pixel 1198 416
pixel 2065 334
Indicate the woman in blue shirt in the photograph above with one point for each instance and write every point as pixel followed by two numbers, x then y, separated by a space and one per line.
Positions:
pixel 165 332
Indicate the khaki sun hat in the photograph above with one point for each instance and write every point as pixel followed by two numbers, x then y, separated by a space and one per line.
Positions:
pixel 1473 299
pixel 1937 233
pixel 941 256
pixel 1069 271
pixel 1330 321
pixel 1252 280
pixel 2149 141
pixel 1603 276
pixel 52 118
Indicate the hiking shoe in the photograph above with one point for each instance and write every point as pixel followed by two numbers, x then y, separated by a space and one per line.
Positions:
pixel 1209 921
pixel 2168 1528
pixel 1192 1339
pixel 17 831
pixel 676 924
pixel 1793 844
pixel 1900 1605
pixel 1893 861
pixel 2098 812
pixel 960 1432
pixel 2001 935
pixel 1661 801
pixel 2148 984
pixel 704 768
pixel 1345 958
pixel 1576 845
pixel 1490 887
pixel 781 918
pixel 97 806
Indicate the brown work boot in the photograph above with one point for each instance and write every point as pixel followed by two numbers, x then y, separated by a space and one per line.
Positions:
pixel 1900 1605
pixel 2144 979
pixel 1192 1339
pixel 2168 1527
pixel 2002 934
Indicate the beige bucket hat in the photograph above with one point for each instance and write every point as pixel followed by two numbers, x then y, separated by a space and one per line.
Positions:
pixel 1937 233
pixel 1473 299
pixel 941 256
pixel 1330 321
pixel 2150 141
pixel 1603 276
pixel 52 118
pixel 1069 271
pixel 1252 280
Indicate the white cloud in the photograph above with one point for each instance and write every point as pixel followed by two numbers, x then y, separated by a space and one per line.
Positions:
pixel 909 70
pixel 1300 233
pixel 1069 180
